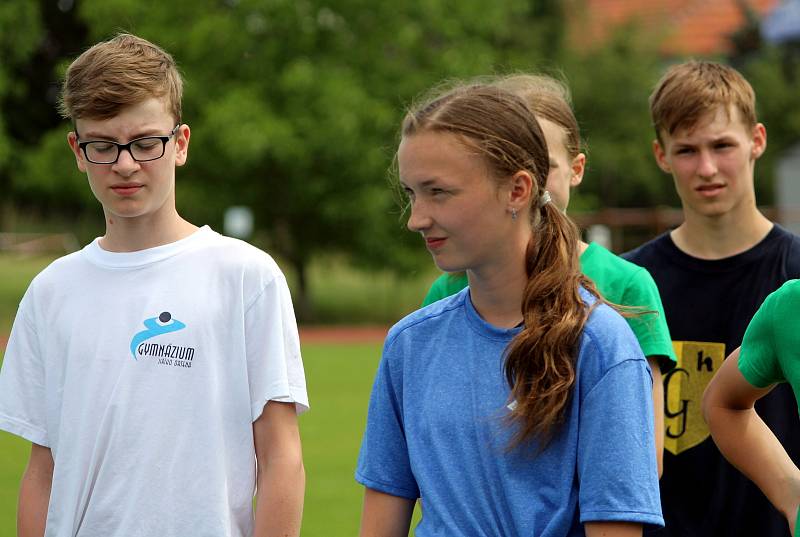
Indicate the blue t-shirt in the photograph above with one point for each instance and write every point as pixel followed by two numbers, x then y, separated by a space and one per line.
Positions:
pixel 435 430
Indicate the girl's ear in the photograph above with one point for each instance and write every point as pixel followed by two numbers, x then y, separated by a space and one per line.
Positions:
pixel 578 166
pixel 520 190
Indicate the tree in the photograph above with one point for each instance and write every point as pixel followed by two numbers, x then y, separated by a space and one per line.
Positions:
pixel 610 86
pixel 295 104
pixel 20 32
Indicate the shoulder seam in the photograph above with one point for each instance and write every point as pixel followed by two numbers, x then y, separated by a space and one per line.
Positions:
pixel 589 332
pixel 452 307
pixel 634 273
pixel 260 293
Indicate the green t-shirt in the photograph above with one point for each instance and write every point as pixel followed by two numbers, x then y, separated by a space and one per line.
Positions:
pixel 769 348
pixel 619 281
pixel 445 285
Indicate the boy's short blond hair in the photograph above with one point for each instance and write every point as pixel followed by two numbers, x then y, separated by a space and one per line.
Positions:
pixel 690 91
pixel 113 74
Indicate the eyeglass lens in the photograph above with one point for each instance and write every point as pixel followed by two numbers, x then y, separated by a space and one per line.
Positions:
pixel 141 150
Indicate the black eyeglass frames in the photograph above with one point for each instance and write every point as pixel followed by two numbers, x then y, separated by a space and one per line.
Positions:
pixel 141 149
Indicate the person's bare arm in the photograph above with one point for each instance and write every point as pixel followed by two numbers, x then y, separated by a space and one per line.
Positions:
pixel 385 515
pixel 613 529
pixel 34 492
pixel 746 441
pixel 281 477
pixel 658 410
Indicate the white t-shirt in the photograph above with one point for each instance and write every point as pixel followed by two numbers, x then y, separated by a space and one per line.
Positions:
pixel 143 373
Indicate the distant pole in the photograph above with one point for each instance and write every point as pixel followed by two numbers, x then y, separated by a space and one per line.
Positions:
pixel 238 222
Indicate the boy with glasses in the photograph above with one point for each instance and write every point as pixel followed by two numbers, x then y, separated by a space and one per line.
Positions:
pixel 713 272
pixel 157 372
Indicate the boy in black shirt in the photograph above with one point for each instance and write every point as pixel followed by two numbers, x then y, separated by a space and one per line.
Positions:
pixel 713 271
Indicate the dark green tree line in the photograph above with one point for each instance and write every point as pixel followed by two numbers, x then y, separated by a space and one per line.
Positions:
pixel 294 106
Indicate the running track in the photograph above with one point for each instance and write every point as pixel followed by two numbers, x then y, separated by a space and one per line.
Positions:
pixel 320 334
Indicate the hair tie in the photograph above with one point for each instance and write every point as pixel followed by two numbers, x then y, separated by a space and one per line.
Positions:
pixel 545 199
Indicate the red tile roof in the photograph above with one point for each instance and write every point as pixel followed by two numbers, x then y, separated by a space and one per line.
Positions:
pixel 683 27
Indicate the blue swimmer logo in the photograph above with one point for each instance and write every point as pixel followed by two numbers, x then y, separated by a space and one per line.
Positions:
pixel 156 326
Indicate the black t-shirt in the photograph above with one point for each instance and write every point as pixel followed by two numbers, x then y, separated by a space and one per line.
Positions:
pixel 708 305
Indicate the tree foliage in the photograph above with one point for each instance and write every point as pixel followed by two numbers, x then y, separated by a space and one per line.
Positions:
pixel 20 32
pixel 294 106
pixel 610 87
pixel 772 75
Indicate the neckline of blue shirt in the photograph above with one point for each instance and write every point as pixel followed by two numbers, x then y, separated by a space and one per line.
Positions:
pixel 479 324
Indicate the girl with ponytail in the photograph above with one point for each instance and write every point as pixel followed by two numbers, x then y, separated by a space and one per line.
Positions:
pixel 619 281
pixel 519 406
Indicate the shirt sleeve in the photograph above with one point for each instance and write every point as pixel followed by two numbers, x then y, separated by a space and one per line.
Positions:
pixel 383 463
pixel 23 397
pixel 274 364
pixel 616 452
pixel 758 357
pixel 650 327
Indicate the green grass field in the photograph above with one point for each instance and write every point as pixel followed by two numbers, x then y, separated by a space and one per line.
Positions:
pixel 15 275
pixel 339 381
pixel 13 455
